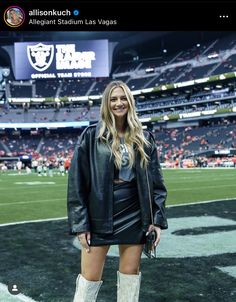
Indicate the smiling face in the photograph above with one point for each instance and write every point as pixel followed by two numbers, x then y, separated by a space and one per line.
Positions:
pixel 14 16
pixel 119 104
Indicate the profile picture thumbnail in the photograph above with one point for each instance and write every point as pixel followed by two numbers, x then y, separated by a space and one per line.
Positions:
pixel 14 16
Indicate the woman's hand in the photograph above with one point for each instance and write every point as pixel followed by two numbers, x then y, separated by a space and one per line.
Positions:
pixel 158 233
pixel 84 239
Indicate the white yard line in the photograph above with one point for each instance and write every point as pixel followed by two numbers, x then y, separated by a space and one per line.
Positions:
pixel 168 206
pixel 202 187
pixel 31 221
pixel 199 202
pixel 33 187
pixel 188 179
pixel 198 169
pixel 30 201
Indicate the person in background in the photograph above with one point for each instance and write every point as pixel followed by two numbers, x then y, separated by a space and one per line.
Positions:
pixel 234 161
pixel 34 165
pixel 40 169
pixel 50 168
pixel 114 176
pixel 67 165
pixel 61 168
pixel 19 166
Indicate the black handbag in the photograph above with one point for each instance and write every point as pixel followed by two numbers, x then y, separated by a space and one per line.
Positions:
pixel 149 249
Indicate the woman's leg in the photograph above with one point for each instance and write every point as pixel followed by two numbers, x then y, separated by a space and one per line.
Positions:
pixel 130 256
pixel 129 277
pixel 92 263
pixel 89 281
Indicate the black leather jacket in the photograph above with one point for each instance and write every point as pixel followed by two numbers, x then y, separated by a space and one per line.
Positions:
pixel 90 186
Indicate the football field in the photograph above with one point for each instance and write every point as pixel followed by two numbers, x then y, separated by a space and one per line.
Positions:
pixel 196 256
pixel 30 197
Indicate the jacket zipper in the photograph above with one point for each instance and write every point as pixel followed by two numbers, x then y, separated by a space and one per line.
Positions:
pixel 149 195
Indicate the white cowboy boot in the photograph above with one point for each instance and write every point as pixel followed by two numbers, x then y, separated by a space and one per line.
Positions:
pixel 128 287
pixel 86 291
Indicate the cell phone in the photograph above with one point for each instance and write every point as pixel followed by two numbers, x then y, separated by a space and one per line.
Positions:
pixel 149 248
pixel 151 239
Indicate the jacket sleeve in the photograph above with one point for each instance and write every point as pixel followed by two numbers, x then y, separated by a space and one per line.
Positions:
pixel 78 189
pixel 159 189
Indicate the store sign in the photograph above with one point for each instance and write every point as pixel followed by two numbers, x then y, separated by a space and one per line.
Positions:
pixel 52 60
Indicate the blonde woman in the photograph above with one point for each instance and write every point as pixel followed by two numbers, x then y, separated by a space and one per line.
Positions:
pixel 14 16
pixel 114 171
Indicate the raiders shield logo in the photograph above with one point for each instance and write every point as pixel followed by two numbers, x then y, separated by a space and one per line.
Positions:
pixel 40 56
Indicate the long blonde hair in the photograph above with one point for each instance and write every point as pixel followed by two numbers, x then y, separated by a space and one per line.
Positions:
pixel 134 132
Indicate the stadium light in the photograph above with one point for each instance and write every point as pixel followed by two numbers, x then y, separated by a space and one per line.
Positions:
pixel 145 119
pixel 149 70
pixel 146 90
pixel 90 103
pixel 213 55
pixel 222 77
pixel 208 112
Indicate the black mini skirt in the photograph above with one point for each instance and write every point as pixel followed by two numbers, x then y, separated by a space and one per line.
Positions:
pixel 127 226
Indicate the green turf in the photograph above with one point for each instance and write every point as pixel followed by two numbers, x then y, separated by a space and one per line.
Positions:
pixel 38 199
pixel 29 197
pixel 194 185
